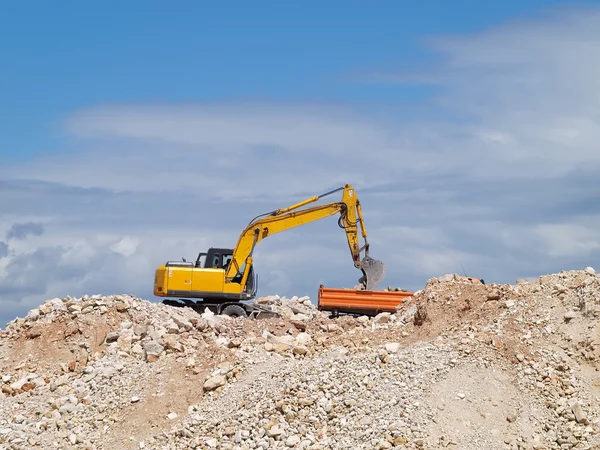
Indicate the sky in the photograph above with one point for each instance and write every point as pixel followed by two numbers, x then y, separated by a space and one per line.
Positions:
pixel 135 133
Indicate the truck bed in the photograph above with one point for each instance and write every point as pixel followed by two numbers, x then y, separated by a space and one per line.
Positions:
pixel 350 301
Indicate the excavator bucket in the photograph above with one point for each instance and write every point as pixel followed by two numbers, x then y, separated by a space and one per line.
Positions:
pixel 373 272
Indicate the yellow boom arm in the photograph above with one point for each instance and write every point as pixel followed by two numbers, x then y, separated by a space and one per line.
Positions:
pixel 290 217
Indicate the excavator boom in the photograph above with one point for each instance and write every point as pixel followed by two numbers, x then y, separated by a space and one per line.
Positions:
pixel 283 219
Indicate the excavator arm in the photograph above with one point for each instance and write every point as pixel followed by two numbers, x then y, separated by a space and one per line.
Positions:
pixel 283 219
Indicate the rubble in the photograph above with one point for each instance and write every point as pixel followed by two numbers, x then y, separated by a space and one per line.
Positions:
pixel 461 364
pixel 299 309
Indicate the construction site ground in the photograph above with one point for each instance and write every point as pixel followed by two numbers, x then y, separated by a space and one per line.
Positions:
pixel 458 366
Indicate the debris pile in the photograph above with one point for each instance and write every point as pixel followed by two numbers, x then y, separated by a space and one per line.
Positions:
pixel 461 364
pixel 299 309
pixel 363 286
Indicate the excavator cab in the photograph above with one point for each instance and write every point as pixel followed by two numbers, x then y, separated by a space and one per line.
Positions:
pixel 215 258
pixel 204 278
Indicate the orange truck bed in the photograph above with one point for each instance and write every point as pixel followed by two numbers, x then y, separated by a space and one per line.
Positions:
pixel 350 301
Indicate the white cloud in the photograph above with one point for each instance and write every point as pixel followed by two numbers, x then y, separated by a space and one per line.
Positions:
pixel 126 246
pixel 503 182
pixel 234 128
pixel 569 239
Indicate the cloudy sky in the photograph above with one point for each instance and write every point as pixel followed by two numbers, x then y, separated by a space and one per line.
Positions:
pixel 136 134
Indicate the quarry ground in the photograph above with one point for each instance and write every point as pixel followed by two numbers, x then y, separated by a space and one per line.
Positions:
pixel 458 366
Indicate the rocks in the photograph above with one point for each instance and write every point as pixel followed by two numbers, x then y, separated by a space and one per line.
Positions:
pixel 382 318
pixel 214 382
pixel 446 278
pixel 559 289
pixel 494 295
pixel 297 309
pixel 172 327
pixel 33 315
pixel 292 441
pixel 303 339
pixel 300 350
pixel 182 324
pixel 580 416
pixel 112 337
pixel 153 350
pixel 392 347
pixel 459 365
pixel 277 347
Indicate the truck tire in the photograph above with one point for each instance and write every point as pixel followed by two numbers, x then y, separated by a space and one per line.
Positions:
pixel 234 311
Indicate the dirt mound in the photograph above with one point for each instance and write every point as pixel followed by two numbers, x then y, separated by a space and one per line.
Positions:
pixel 460 365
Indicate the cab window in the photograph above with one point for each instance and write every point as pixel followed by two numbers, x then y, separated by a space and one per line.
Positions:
pixel 227 260
pixel 216 260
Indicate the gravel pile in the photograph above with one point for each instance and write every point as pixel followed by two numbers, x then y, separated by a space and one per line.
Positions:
pixel 460 365
pixel 295 308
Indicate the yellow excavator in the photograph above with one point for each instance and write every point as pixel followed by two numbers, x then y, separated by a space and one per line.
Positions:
pixel 227 276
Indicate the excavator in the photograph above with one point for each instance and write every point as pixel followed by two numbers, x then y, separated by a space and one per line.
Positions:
pixel 227 277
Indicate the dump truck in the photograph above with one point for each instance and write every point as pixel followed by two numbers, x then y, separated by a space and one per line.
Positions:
pixel 222 279
pixel 359 301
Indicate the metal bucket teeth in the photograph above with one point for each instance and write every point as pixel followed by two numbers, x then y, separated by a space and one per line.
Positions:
pixel 374 272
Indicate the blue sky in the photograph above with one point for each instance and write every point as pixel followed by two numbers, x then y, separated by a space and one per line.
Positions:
pixel 119 119
pixel 65 56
